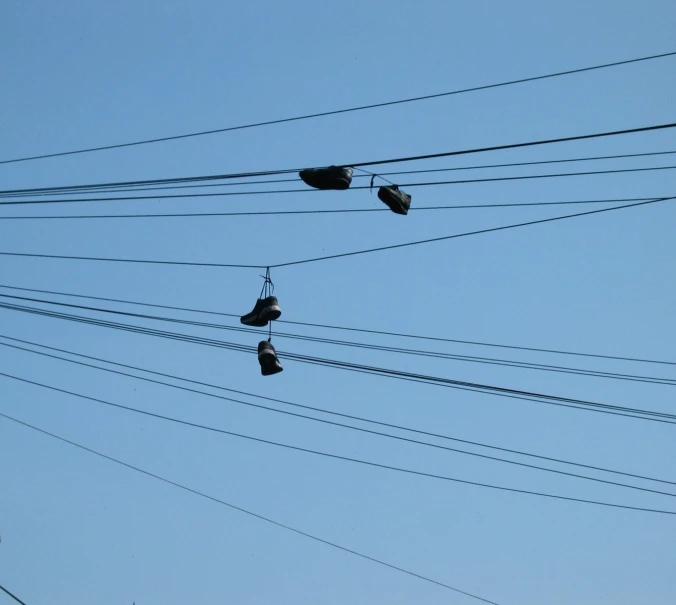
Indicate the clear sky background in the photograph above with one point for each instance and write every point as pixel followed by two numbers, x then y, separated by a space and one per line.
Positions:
pixel 79 530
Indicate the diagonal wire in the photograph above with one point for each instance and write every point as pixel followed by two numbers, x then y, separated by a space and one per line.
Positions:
pixel 332 256
pixel 243 510
pixel 84 189
pixel 307 407
pixel 304 212
pixel 341 111
pixel 308 190
pixel 343 458
pixel 13 596
pixel 457 235
pixel 345 328
pixel 353 344
pixel 567 402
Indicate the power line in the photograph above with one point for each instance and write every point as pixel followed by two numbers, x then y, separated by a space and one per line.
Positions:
pixel 85 189
pixel 245 511
pixel 304 212
pixel 333 423
pixel 332 256
pixel 352 344
pixel 173 180
pixel 446 154
pixel 307 190
pixel 343 458
pixel 457 235
pixel 129 260
pixel 307 407
pixel 349 329
pixel 17 599
pixel 567 402
pixel 341 111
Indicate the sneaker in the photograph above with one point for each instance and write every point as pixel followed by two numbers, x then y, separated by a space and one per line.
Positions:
pixel 265 310
pixel 267 357
pixel 398 201
pixel 333 177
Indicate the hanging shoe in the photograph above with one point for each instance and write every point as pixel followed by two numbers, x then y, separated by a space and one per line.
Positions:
pixel 398 201
pixel 265 310
pixel 267 357
pixel 333 177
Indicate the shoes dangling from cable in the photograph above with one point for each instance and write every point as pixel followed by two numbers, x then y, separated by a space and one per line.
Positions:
pixel 333 177
pixel 396 200
pixel 267 357
pixel 265 310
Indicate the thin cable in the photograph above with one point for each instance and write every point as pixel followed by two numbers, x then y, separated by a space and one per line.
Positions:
pixel 352 344
pixel 307 190
pixel 468 233
pixel 130 260
pixel 303 212
pixel 245 511
pixel 336 456
pixel 447 154
pixel 17 599
pixel 300 406
pixel 86 189
pixel 578 404
pixel 320 420
pixel 118 188
pixel 182 179
pixel 332 256
pixel 349 329
pixel 341 111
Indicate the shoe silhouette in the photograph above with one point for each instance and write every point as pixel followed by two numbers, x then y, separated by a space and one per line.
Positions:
pixel 267 357
pixel 396 200
pixel 333 177
pixel 265 310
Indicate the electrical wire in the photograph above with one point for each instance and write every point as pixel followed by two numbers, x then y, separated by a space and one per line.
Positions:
pixel 339 457
pixel 446 154
pixel 303 212
pixel 332 256
pixel 245 511
pixel 336 424
pixel 315 409
pixel 341 111
pixel 117 188
pixel 344 328
pixel 578 404
pixel 457 235
pixel 307 190
pixel 352 344
pixel 17 599
pixel 129 260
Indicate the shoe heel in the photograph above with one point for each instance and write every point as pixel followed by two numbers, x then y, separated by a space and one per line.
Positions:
pixel 270 313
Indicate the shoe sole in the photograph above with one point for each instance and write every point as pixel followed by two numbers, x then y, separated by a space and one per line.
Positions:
pixel 270 313
pixel 272 371
pixel 275 369
pixel 334 186
pixel 255 321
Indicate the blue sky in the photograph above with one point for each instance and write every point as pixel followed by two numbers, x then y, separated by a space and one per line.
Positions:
pixel 79 530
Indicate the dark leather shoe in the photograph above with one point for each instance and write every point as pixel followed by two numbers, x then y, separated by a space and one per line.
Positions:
pixel 396 200
pixel 333 177
pixel 267 357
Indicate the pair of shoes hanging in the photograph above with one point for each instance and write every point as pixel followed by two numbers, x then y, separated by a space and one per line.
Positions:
pixel 265 310
pixel 340 177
